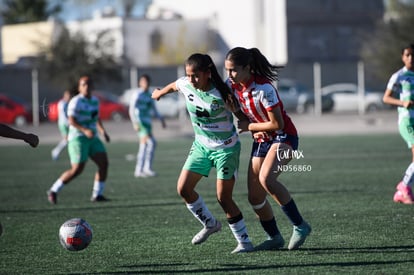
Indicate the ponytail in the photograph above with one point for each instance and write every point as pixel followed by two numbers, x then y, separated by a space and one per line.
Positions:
pixel 259 65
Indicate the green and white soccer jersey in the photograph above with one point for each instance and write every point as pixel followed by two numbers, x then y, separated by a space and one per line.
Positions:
pixel 86 113
pixel 402 82
pixel 211 120
pixel 140 111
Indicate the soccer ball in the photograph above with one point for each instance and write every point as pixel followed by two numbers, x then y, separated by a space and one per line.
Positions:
pixel 75 234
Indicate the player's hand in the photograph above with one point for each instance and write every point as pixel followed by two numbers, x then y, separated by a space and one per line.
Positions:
pixel 136 126
pixel 260 135
pixel 32 139
pixel 164 125
pixel 106 136
pixel 408 104
pixel 88 133
pixel 156 94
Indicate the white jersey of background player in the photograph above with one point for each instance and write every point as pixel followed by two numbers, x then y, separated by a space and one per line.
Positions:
pixel 402 84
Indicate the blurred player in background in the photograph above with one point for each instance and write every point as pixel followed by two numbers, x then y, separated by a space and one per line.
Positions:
pixel 63 124
pixel 250 77
pixel 401 83
pixel 216 144
pixel 84 142
pixel 141 109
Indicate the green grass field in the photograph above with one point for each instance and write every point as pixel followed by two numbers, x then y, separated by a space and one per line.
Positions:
pixel 146 228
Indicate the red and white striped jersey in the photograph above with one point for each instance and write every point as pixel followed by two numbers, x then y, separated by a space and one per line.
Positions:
pixel 258 98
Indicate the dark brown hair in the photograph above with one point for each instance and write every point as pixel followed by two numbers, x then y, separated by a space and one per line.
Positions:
pixel 259 65
pixel 204 63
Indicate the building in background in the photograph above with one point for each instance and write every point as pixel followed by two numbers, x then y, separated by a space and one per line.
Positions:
pixel 166 36
pixel 292 33
pixel 246 23
pixel 21 42
pixel 329 30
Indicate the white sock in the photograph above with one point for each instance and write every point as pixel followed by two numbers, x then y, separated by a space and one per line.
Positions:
pixel 408 177
pixel 239 231
pixel 59 147
pixel 149 154
pixel 98 188
pixel 140 158
pixel 201 212
pixel 57 186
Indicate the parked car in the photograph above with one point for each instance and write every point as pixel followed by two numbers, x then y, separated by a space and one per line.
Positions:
pixel 14 110
pixel 298 98
pixel 346 98
pixel 171 105
pixel 110 108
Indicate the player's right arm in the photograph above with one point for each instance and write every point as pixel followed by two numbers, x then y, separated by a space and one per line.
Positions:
pixel 388 98
pixel 133 111
pixel 393 87
pixel 158 93
pixel 86 131
pixel 72 118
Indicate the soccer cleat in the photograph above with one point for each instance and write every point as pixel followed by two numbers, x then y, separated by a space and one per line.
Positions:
pixel 299 235
pixel 140 175
pixel 203 235
pixel 150 173
pixel 404 194
pixel 52 197
pixel 243 248
pixel 99 198
pixel 273 243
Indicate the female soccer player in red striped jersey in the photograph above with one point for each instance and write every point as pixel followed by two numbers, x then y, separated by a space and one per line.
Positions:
pixel 275 140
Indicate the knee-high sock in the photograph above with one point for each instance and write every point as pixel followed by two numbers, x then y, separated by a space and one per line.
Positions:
pixel 59 147
pixel 98 188
pixel 239 229
pixel 57 186
pixel 270 227
pixel 408 177
pixel 149 154
pixel 292 212
pixel 140 158
pixel 201 212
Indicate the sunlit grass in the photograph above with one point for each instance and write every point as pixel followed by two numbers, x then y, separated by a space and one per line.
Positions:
pixel 146 228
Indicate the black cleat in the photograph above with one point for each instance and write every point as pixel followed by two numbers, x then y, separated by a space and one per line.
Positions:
pixel 52 197
pixel 99 198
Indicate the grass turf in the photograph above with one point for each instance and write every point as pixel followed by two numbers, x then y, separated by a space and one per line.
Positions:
pixel 146 228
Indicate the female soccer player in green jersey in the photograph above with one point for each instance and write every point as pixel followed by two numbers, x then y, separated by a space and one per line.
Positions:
pixel 141 108
pixel 83 141
pixel 209 103
pixel 402 84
